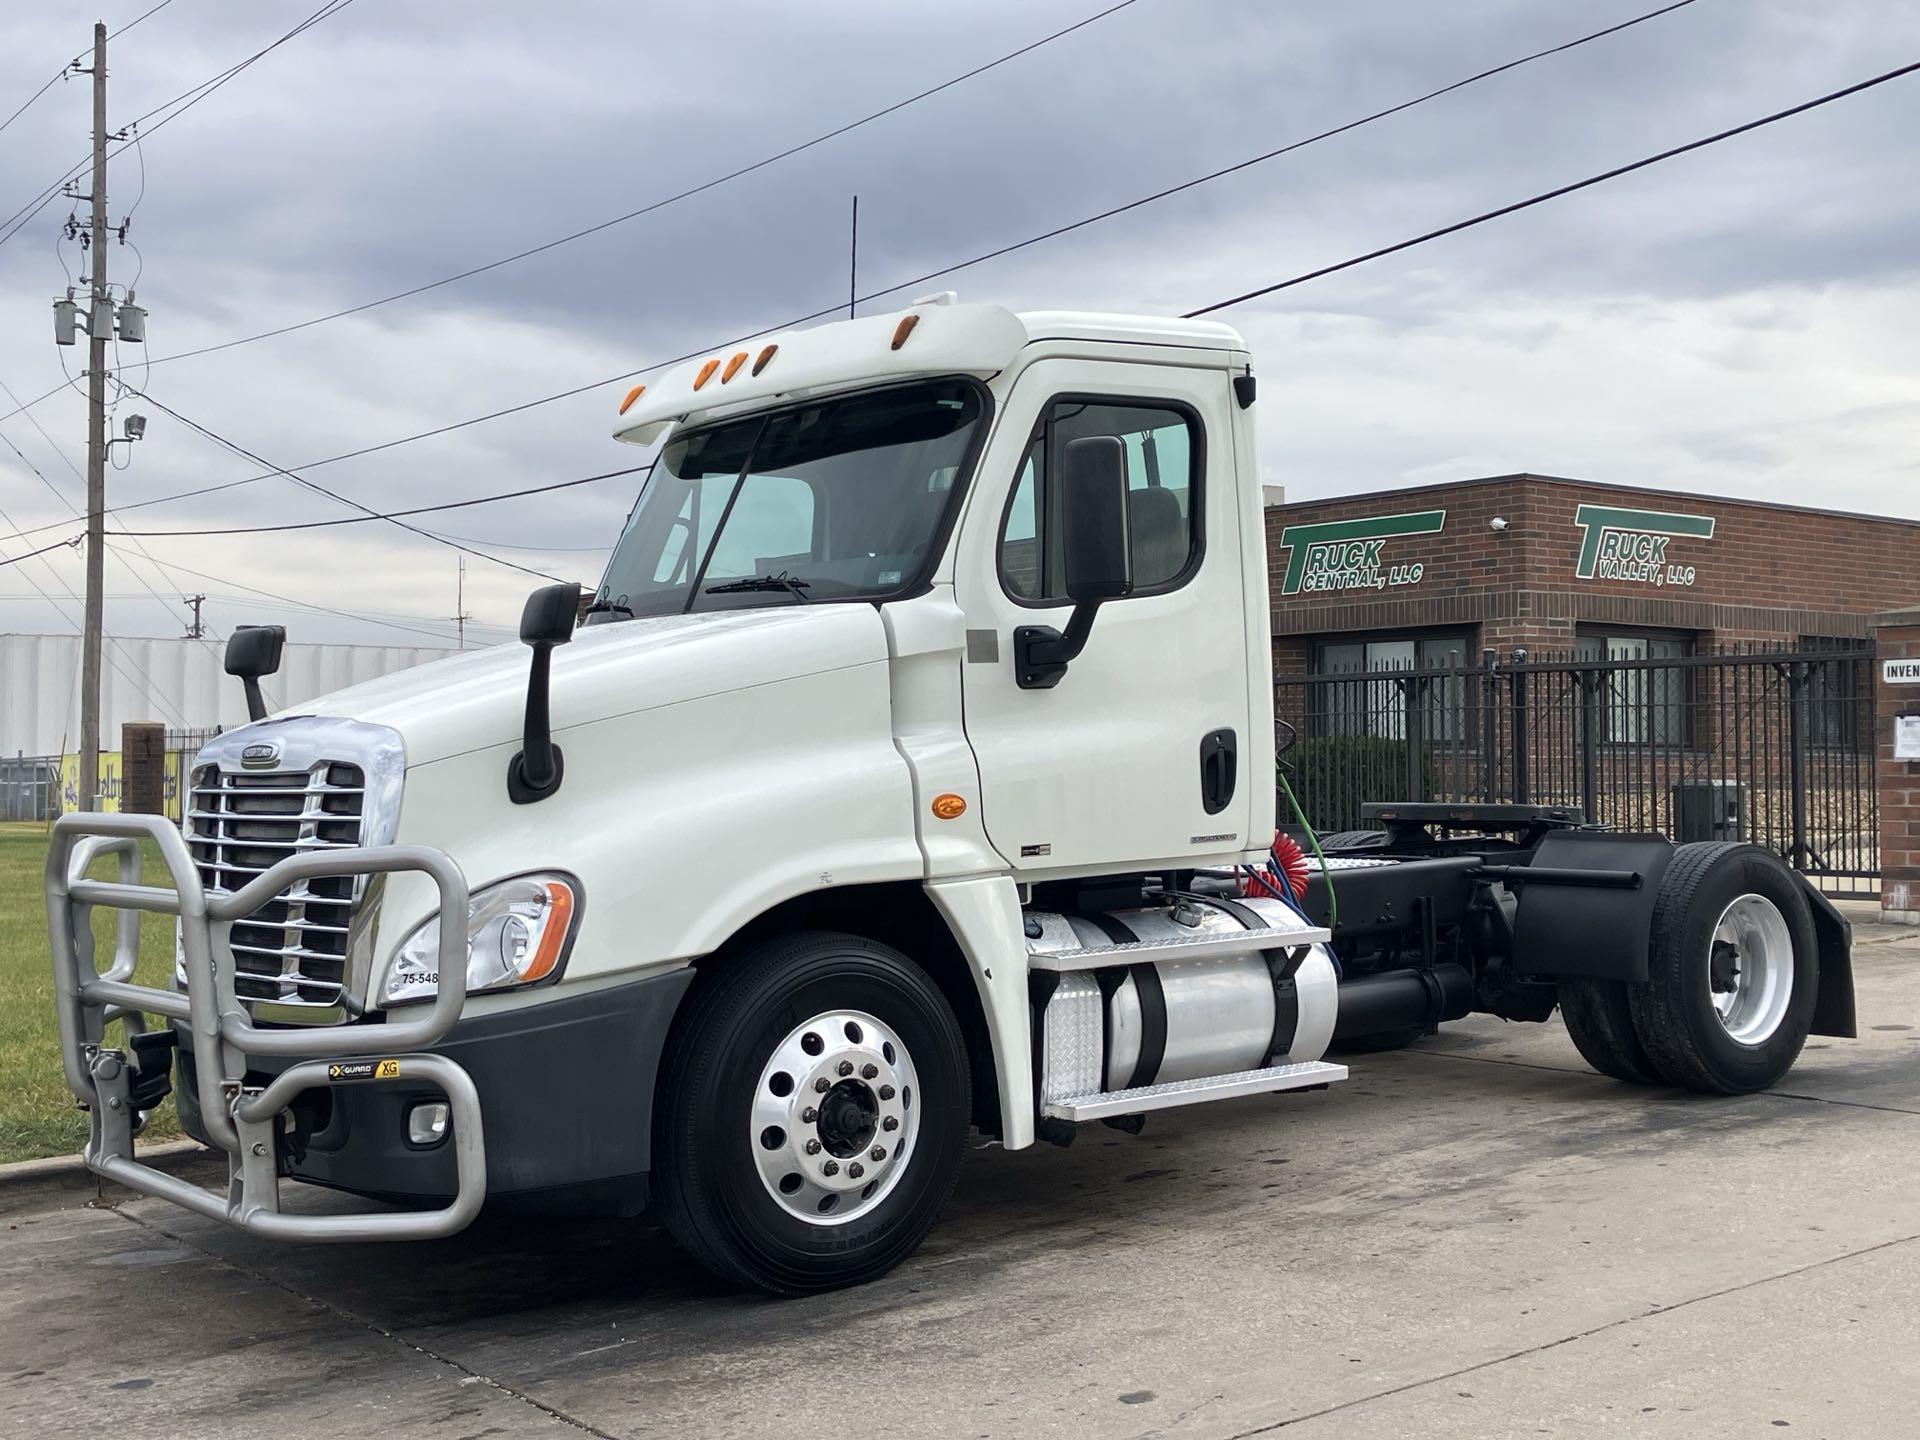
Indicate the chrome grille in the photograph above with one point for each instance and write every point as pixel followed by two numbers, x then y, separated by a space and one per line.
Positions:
pixel 294 949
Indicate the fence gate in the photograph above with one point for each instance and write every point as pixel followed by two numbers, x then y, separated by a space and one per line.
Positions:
pixel 1770 745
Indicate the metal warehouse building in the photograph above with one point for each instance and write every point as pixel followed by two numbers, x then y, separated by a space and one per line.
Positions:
pixel 180 683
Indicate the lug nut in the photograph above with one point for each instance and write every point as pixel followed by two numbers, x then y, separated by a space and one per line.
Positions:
pixel 822 1085
pixel 879 1152
pixel 886 1092
pixel 856 1170
pixel 846 1067
pixel 832 1167
pixel 892 1122
pixel 809 1115
pixel 867 1072
pixel 813 1147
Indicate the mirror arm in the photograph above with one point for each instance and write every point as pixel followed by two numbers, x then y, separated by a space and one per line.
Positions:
pixel 535 772
pixel 256 702
pixel 1041 653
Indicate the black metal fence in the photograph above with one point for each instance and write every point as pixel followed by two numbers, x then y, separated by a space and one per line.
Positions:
pixel 1768 744
pixel 29 787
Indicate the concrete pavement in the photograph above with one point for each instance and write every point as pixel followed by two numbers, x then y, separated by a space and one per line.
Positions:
pixel 1476 1236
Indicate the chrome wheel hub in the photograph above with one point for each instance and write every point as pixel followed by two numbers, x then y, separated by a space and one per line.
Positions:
pixel 1750 969
pixel 835 1117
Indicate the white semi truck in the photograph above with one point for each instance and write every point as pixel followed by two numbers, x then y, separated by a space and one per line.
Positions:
pixel 909 776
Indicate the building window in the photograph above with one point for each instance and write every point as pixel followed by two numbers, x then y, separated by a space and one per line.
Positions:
pixel 1839 693
pixel 1641 704
pixel 1374 703
pixel 1164 461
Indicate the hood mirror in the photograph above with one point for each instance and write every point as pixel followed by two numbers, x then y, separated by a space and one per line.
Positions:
pixel 547 621
pixel 253 651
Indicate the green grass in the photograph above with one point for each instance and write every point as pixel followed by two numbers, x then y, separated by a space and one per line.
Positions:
pixel 37 1113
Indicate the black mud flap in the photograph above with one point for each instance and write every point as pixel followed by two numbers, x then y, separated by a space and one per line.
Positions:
pixel 1602 931
pixel 1833 1012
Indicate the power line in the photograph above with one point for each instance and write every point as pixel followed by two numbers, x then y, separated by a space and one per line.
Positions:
pixel 1003 250
pixel 72 544
pixel 665 201
pixel 1557 192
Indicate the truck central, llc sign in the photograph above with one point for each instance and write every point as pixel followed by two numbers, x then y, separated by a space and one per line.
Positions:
pixel 1620 544
pixel 1353 554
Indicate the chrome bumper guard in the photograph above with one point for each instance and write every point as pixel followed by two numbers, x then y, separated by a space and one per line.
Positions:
pixel 243 1120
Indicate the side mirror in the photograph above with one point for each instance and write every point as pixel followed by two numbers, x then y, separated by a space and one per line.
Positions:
pixel 1093 518
pixel 547 621
pixel 253 651
pixel 1098 558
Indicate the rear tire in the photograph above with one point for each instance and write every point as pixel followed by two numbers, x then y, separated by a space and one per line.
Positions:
pixel 1354 840
pixel 820 1040
pixel 1599 1018
pixel 1733 970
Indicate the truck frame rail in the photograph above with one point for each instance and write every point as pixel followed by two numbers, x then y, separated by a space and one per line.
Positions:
pixel 241 1118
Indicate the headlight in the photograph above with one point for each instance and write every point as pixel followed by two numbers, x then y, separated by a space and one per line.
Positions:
pixel 516 932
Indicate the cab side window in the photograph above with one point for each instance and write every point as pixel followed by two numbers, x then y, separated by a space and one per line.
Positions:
pixel 1164 458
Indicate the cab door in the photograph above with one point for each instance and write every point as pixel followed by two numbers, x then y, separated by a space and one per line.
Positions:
pixel 1140 754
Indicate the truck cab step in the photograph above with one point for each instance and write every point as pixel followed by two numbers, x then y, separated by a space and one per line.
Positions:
pixel 1199 946
pixel 1101 1104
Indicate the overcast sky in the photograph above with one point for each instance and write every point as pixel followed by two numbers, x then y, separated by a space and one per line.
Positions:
pixel 1742 321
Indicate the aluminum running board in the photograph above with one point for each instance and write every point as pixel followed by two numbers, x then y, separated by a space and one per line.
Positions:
pixel 1104 1103
pixel 1211 944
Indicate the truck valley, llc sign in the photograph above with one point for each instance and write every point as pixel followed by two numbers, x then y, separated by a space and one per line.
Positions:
pixel 1619 544
pixel 1353 554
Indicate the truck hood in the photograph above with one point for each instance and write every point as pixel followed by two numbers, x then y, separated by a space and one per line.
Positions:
pixel 477 699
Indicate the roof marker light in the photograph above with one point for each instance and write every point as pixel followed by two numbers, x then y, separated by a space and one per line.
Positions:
pixel 706 373
pixel 904 329
pixel 765 355
pixel 632 395
pixel 733 367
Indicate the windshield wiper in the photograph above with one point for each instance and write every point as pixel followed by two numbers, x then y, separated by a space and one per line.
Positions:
pixel 792 584
pixel 608 607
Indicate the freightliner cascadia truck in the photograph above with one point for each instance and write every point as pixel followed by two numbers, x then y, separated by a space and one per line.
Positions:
pixel 908 777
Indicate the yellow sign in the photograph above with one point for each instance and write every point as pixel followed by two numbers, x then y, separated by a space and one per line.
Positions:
pixel 110 783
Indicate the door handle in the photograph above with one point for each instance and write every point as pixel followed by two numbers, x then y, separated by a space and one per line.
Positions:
pixel 1219 766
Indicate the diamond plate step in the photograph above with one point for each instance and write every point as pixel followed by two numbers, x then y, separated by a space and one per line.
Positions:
pixel 1100 1105
pixel 1181 947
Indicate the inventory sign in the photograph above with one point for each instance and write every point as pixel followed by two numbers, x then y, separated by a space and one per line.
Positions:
pixel 1632 545
pixel 1354 554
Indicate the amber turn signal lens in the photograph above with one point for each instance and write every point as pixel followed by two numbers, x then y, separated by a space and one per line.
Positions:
pixel 765 355
pixel 949 807
pixel 904 329
pixel 632 395
pixel 706 373
pixel 733 367
pixel 554 936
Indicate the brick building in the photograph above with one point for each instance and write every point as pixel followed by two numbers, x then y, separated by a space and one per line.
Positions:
pixel 1414 577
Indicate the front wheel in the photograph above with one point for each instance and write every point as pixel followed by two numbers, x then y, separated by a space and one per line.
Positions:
pixel 1733 971
pixel 813 1113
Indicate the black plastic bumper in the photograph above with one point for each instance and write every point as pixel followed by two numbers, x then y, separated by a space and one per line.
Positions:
pixel 566 1098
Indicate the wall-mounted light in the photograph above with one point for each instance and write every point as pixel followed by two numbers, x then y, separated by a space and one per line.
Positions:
pixel 1497 524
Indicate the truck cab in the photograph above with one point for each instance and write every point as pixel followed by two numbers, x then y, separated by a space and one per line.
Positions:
pixel 907 775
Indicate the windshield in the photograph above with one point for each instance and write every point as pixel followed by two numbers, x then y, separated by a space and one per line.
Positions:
pixel 836 500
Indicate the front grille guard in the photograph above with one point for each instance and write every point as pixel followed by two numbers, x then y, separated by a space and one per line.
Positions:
pixel 243 1120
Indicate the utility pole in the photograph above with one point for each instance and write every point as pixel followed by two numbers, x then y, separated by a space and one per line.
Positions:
pixel 460 615
pixel 196 630
pixel 99 327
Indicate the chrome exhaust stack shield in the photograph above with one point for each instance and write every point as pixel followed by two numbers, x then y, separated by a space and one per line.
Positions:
pixel 242 1120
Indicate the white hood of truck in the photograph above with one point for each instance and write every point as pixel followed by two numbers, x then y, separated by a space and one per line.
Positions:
pixel 478 699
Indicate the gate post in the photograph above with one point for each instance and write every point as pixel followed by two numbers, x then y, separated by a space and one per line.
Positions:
pixel 1413 690
pixel 1522 778
pixel 1896 693
pixel 1590 683
pixel 1489 721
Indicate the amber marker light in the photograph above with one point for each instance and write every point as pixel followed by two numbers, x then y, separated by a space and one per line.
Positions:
pixel 706 373
pixel 733 367
pixel 949 807
pixel 904 329
pixel 765 355
pixel 553 936
pixel 632 395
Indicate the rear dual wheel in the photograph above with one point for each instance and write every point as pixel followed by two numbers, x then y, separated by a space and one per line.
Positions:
pixel 1732 979
pixel 813 1113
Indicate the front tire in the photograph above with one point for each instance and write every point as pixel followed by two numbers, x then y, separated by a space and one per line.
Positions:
pixel 813 1113
pixel 1733 971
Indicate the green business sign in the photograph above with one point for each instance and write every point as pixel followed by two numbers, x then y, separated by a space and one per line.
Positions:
pixel 1620 544
pixel 1352 554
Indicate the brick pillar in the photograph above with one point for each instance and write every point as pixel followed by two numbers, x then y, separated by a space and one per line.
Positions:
pixel 143 768
pixel 1897 637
